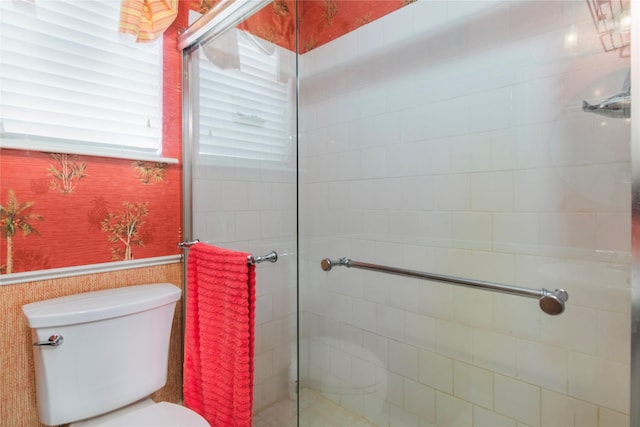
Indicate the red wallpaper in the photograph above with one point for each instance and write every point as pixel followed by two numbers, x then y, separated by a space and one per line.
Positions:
pixel 320 20
pixel 108 210
pixel 275 23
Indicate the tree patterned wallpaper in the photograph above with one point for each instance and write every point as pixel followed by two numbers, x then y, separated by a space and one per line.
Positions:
pixel 320 20
pixel 62 210
pixel 324 20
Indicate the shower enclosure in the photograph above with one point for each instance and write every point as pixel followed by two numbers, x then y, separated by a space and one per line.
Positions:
pixel 446 137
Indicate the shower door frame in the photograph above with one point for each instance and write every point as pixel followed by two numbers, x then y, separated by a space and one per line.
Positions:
pixel 234 11
pixel 224 16
pixel 635 225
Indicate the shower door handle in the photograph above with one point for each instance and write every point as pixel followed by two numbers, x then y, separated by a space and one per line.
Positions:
pixel 551 302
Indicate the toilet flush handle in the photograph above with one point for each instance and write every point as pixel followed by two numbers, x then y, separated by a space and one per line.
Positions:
pixel 53 341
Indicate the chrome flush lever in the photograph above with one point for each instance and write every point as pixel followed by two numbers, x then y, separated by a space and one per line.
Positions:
pixel 53 341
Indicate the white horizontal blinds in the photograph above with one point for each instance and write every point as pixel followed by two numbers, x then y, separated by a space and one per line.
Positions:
pixel 244 109
pixel 69 79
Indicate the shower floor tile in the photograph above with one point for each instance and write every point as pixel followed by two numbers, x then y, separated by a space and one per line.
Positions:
pixel 315 411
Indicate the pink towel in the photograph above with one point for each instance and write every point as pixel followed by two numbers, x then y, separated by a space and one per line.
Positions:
pixel 219 336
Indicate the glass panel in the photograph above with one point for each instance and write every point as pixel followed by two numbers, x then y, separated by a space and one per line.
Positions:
pixel 242 97
pixel 465 138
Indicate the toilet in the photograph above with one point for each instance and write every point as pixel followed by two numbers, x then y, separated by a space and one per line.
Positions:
pixel 100 355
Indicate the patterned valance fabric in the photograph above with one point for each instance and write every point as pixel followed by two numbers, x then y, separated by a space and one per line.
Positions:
pixel 146 20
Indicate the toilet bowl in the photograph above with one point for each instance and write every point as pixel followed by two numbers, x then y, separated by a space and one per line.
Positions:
pixel 147 413
pixel 369 379
pixel 99 355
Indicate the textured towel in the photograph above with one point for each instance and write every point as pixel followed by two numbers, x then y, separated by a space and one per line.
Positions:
pixel 219 326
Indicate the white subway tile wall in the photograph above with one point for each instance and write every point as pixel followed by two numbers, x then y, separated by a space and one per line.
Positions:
pixel 449 137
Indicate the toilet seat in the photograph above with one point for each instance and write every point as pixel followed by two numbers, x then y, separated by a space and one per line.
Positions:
pixel 162 414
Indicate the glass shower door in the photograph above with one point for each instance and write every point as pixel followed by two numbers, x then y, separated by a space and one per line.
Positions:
pixel 241 179
pixel 470 139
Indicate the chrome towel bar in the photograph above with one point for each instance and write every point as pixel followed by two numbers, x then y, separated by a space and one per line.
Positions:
pixel 551 302
pixel 270 257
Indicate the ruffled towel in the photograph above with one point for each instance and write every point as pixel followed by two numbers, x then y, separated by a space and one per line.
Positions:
pixel 219 336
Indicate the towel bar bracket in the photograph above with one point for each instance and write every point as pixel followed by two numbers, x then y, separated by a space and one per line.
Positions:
pixel 270 257
pixel 183 245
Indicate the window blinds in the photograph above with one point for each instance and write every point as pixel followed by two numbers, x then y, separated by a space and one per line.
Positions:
pixel 69 82
pixel 244 107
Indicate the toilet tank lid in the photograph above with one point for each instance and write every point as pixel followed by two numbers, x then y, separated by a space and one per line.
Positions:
pixel 99 305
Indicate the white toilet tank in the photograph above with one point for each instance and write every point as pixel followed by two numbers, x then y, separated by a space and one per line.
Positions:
pixel 113 351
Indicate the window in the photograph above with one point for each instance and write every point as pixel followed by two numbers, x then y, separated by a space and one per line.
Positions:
pixel 69 82
pixel 245 101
